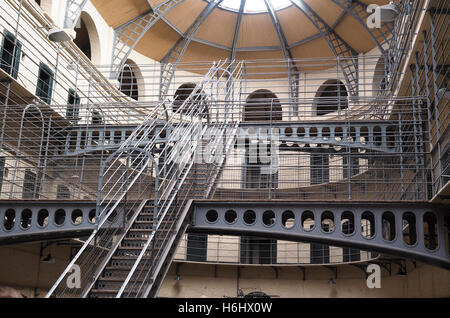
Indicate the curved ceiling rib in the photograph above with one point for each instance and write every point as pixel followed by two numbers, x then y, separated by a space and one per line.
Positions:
pixel 173 57
pixel 127 36
pixel 276 24
pixel 291 67
pixel 237 30
pixel 245 49
pixel 340 48
pixel 354 8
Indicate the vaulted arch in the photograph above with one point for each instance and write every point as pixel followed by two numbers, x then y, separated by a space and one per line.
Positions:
pixel 332 96
pixel 263 105
pixel 87 39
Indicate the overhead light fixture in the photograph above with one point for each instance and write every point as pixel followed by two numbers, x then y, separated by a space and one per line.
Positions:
pixel 388 12
pixel 58 35
pixel 48 259
pixel 401 271
pixel 177 272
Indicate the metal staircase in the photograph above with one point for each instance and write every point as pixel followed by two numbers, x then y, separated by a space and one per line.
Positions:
pixel 161 246
pixel 131 261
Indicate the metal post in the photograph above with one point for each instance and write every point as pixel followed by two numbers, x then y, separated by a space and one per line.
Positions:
pixel 436 98
pixel 420 125
pixel 416 149
pixel 46 149
pixel 429 112
pixel 401 151
pixel 5 111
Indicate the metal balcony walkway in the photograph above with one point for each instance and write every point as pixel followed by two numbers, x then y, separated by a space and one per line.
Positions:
pixel 376 136
pixel 38 220
pixel 411 230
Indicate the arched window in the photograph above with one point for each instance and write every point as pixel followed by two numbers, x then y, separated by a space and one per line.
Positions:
pixel 198 100
pixel 262 105
pixel 331 97
pixel 128 80
pixel 380 76
pixel 87 39
pixel 83 40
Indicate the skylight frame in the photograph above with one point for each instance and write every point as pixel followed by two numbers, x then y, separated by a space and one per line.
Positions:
pixel 225 5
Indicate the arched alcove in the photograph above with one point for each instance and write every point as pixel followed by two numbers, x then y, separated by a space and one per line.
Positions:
pixel 87 39
pixel 262 105
pixel 182 94
pixel 332 96
pixel 129 79
pixel 46 5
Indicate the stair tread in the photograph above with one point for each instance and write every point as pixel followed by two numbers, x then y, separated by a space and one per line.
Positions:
pixel 132 248
pixel 120 265
pixel 111 279
pixel 112 291
pixel 115 279
pixel 122 268
pixel 127 258
pixel 104 291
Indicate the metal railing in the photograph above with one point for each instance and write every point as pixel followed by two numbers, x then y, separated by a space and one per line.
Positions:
pixel 215 249
pixel 419 52
pixel 316 149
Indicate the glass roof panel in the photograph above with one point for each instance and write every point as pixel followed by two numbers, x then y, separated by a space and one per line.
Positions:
pixel 254 6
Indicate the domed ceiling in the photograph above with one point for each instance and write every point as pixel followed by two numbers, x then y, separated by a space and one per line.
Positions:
pixel 243 29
